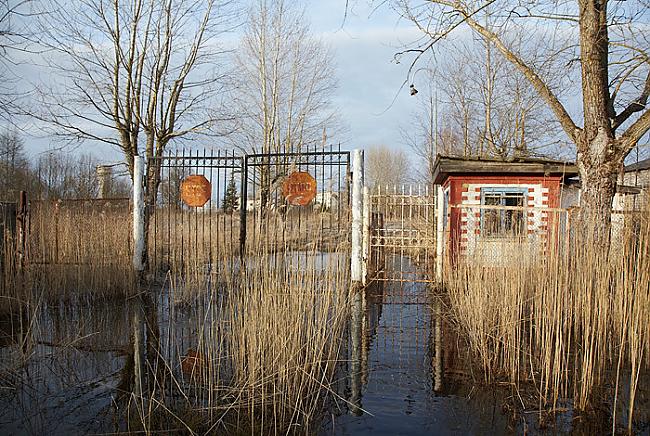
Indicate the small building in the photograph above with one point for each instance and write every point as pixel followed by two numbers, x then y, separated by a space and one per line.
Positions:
pixel 327 200
pixel 638 175
pixel 491 207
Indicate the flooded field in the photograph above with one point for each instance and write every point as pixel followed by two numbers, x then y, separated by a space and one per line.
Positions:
pixel 404 387
pixel 382 361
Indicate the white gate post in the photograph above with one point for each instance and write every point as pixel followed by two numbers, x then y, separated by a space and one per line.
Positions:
pixel 356 258
pixel 138 214
pixel 440 232
pixel 366 235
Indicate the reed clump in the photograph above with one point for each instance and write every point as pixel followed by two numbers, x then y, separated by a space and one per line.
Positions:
pixel 286 331
pixel 571 318
pixel 257 352
pixel 78 248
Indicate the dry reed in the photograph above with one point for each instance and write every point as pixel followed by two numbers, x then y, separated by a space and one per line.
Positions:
pixel 570 318
pixel 262 348
pixel 77 249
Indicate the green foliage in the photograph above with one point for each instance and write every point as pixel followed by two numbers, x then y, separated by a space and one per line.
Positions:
pixel 230 198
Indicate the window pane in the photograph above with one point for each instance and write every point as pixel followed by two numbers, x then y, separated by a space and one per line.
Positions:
pixel 514 199
pixel 492 199
pixel 491 222
pixel 502 222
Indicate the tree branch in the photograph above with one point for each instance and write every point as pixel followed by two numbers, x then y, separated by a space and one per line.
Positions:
pixel 546 93
pixel 636 131
pixel 636 106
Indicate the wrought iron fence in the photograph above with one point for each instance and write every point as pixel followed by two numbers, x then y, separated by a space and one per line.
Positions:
pixel 247 214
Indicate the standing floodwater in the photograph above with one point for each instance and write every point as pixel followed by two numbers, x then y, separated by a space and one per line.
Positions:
pixel 412 380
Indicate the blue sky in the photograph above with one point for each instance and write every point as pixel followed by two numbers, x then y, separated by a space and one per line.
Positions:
pixel 370 98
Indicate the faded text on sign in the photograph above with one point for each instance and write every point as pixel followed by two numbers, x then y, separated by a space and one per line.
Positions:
pixel 195 190
pixel 299 188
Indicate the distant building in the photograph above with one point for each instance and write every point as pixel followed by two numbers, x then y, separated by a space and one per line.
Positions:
pixel 491 207
pixel 328 200
pixel 638 175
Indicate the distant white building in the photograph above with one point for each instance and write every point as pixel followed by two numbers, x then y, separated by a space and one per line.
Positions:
pixel 328 200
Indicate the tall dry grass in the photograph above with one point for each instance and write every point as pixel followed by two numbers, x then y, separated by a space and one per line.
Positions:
pixel 258 356
pixel 570 318
pixel 193 247
pixel 286 333
pixel 78 248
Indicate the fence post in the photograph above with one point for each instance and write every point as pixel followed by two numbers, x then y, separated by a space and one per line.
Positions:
pixel 138 215
pixel 356 258
pixel 366 235
pixel 440 232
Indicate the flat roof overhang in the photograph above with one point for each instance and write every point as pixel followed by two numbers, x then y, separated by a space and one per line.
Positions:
pixel 446 166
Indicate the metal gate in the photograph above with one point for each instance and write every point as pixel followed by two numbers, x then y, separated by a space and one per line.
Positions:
pixel 273 225
pixel 403 241
pixel 193 242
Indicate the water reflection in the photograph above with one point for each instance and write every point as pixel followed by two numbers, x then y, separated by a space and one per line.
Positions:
pixel 405 376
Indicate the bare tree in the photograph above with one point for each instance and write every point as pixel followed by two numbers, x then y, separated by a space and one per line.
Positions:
pixel 284 86
pixel 14 39
pixel 135 74
pixel 15 174
pixel 484 109
pixel 386 167
pixel 65 176
pixel 285 81
pixel 614 70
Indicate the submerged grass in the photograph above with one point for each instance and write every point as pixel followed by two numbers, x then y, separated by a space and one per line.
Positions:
pixel 571 319
pixel 260 352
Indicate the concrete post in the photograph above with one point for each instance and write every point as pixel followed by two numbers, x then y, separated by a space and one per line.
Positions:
pixel 356 267
pixel 440 232
pixel 366 235
pixel 103 179
pixel 138 214
pixel 356 354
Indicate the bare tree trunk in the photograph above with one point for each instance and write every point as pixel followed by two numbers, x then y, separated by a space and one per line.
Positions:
pixel 598 175
pixel 152 185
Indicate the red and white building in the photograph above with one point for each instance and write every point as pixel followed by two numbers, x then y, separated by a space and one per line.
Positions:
pixel 491 207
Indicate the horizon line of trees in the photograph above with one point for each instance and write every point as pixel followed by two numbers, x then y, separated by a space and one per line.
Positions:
pixel 54 175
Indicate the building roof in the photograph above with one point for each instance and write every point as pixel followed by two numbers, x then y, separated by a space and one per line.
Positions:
pixel 448 165
pixel 638 166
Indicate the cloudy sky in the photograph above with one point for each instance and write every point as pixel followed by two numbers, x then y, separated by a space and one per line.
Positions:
pixel 372 97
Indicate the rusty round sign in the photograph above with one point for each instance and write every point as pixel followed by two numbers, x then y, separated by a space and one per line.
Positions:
pixel 195 190
pixel 299 189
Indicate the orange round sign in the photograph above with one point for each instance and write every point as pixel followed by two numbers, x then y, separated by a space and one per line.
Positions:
pixel 195 190
pixel 299 188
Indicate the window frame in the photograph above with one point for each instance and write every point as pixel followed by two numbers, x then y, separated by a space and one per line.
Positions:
pixel 503 191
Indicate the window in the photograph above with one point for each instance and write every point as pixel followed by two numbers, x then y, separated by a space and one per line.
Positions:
pixel 501 223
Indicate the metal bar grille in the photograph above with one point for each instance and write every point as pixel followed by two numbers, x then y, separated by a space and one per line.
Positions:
pixel 196 244
pixel 403 235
